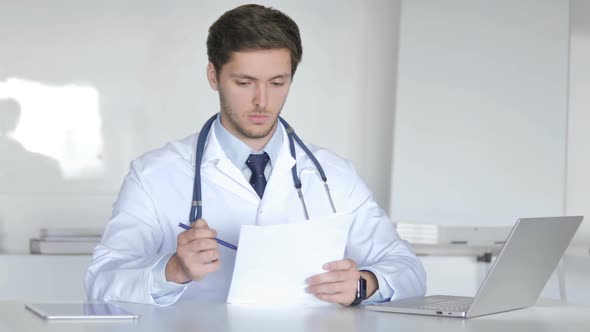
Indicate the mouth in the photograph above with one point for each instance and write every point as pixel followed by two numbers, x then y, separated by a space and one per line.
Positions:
pixel 259 118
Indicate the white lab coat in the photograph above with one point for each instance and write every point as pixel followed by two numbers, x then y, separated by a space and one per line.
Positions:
pixel 156 195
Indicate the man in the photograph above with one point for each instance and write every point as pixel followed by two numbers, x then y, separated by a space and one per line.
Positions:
pixel 144 257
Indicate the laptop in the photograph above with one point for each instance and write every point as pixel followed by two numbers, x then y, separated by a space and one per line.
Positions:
pixel 515 280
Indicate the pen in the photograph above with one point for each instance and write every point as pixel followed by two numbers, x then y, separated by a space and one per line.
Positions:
pixel 223 243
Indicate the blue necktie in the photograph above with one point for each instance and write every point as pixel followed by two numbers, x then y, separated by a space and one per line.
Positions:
pixel 257 163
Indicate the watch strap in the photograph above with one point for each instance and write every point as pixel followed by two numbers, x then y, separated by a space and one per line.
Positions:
pixel 361 291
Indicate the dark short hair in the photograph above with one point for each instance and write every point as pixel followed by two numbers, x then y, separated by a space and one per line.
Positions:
pixel 252 27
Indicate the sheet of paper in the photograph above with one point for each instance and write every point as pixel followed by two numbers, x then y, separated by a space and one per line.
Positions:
pixel 273 262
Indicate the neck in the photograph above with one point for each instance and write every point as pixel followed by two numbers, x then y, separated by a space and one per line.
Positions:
pixel 255 144
pixel 258 143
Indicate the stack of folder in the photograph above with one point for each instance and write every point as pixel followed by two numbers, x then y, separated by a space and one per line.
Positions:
pixel 432 239
pixel 419 233
pixel 66 241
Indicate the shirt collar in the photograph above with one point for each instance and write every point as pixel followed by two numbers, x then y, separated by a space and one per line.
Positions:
pixel 238 151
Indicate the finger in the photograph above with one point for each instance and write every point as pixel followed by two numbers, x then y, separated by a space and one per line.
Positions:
pixel 329 288
pixel 200 223
pixel 206 257
pixel 196 233
pixel 199 271
pixel 339 298
pixel 343 264
pixel 199 245
pixel 212 267
pixel 209 256
pixel 332 276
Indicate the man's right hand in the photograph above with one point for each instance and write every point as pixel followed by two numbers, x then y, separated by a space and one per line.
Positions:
pixel 196 254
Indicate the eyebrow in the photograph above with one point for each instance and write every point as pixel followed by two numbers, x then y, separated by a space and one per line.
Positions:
pixel 238 75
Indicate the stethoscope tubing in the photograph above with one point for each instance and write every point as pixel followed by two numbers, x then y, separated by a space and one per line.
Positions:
pixel 197 204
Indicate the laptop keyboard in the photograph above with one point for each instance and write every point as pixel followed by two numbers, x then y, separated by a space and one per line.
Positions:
pixel 455 305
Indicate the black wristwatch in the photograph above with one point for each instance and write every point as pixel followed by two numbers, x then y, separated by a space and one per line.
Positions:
pixel 361 291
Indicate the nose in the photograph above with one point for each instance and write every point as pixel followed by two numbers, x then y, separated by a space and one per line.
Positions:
pixel 260 97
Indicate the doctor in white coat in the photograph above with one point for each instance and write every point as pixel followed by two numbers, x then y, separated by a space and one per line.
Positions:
pixel 145 257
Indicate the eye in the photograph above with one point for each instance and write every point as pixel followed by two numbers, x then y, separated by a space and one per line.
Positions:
pixel 243 83
pixel 277 84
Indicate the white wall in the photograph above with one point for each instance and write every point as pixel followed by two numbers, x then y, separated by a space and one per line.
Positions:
pixel 480 124
pixel 578 161
pixel 99 83
pixel 62 278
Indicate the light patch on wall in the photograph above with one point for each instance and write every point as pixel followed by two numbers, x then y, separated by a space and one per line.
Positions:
pixel 61 122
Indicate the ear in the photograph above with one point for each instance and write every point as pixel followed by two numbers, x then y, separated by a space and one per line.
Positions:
pixel 212 76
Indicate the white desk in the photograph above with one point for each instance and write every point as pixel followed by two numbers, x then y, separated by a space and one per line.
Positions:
pixel 190 316
pixel 63 277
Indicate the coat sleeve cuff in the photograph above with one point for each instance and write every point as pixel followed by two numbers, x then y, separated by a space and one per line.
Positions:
pixel 384 292
pixel 164 292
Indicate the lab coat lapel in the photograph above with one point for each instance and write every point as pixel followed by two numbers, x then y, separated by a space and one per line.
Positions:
pixel 280 184
pixel 217 168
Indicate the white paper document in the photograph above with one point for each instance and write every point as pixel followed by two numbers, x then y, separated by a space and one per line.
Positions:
pixel 272 262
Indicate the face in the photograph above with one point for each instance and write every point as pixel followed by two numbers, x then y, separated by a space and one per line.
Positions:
pixel 253 87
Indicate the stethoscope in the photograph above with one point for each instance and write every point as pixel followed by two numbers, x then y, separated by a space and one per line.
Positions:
pixel 197 203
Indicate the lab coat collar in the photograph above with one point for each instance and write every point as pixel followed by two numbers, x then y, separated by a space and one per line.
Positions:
pixel 227 175
pixel 238 152
pixel 214 152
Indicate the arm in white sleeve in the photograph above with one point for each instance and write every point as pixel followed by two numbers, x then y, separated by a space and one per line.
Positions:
pixel 163 291
pixel 375 245
pixel 123 263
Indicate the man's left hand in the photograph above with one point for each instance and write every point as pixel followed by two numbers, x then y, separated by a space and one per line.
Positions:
pixel 338 285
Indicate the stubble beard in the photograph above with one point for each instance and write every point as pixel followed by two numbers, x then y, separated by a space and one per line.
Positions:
pixel 232 119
